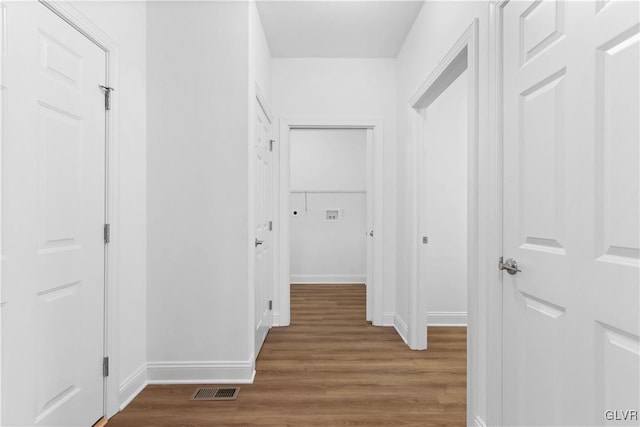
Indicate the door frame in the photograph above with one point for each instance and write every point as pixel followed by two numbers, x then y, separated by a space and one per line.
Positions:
pixel 374 128
pixel 484 319
pixel 73 17
pixel 463 56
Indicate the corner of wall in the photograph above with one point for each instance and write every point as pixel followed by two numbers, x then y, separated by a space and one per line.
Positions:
pixel 132 386
pixel 401 327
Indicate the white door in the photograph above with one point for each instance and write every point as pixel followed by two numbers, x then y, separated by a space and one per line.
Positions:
pixel 53 201
pixel 571 213
pixel 264 227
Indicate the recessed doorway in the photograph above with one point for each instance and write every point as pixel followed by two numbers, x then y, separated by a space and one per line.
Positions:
pixel 330 209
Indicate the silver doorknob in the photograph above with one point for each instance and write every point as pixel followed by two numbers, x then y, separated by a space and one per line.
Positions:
pixel 511 265
pixel 259 242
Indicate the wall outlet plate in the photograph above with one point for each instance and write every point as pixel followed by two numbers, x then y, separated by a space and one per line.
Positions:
pixel 332 214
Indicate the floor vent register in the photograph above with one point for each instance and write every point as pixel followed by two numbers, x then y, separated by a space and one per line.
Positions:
pixel 216 393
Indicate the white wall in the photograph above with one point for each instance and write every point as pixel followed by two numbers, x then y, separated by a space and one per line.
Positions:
pixel 436 29
pixel 198 121
pixel 342 89
pixel 445 205
pixel 328 159
pixel 328 172
pixel 125 22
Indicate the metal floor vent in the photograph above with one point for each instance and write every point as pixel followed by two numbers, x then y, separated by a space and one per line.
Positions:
pixel 216 393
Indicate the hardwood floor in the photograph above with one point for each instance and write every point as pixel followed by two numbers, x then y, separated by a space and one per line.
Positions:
pixel 329 368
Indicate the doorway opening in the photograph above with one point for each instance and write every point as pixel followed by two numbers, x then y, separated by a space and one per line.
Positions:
pixel 329 221
pixel 330 205
pixel 443 206
pixel 453 88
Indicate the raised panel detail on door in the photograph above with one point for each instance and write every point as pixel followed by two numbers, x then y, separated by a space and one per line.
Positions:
pixel 58 335
pixel 58 60
pixel 617 149
pixel 59 176
pixel 617 368
pixel 541 165
pixel 541 25
pixel 541 359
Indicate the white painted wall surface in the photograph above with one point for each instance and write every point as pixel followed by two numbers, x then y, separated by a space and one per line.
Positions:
pixel 324 164
pixel 328 251
pixel 260 55
pixel 328 159
pixel 343 89
pixel 199 295
pixel 125 22
pixel 435 31
pixel 445 210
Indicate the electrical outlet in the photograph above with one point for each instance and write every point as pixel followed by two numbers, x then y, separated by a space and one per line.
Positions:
pixel 332 214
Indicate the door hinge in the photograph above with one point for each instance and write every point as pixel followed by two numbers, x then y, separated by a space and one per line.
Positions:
pixel 105 367
pixel 270 304
pixel 271 141
pixel 107 233
pixel 107 96
pixel 270 225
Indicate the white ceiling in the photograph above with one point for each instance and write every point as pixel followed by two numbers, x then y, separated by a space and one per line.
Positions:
pixel 338 28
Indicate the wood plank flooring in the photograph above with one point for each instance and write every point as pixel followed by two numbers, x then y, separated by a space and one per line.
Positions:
pixel 329 368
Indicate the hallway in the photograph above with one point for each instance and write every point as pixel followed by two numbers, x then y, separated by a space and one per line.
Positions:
pixel 329 368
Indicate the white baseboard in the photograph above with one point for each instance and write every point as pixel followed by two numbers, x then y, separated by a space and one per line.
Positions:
pixel 132 386
pixel 388 319
pixel 232 372
pixel 446 318
pixel 479 422
pixel 317 279
pixel 401 327
pixel 276 318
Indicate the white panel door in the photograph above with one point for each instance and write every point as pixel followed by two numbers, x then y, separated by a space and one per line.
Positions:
pixel 263 234
pixel 571 212
pixel 53 201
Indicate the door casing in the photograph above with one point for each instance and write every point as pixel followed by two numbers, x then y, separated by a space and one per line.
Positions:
pixel 462 56
pixel 374 128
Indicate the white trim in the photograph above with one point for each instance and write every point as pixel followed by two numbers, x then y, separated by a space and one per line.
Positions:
pixel 462 56
pixel 445 318
pixel 262 102
pixel 3 128
pixel 479 422
pixel 66 11
pixel 329 279
pixel 132 386
pixel 276 319
pixel 206 372
pixel 467 47
pixel 401 327
pixel 493 279
pixel 388 319
pixel 375 134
